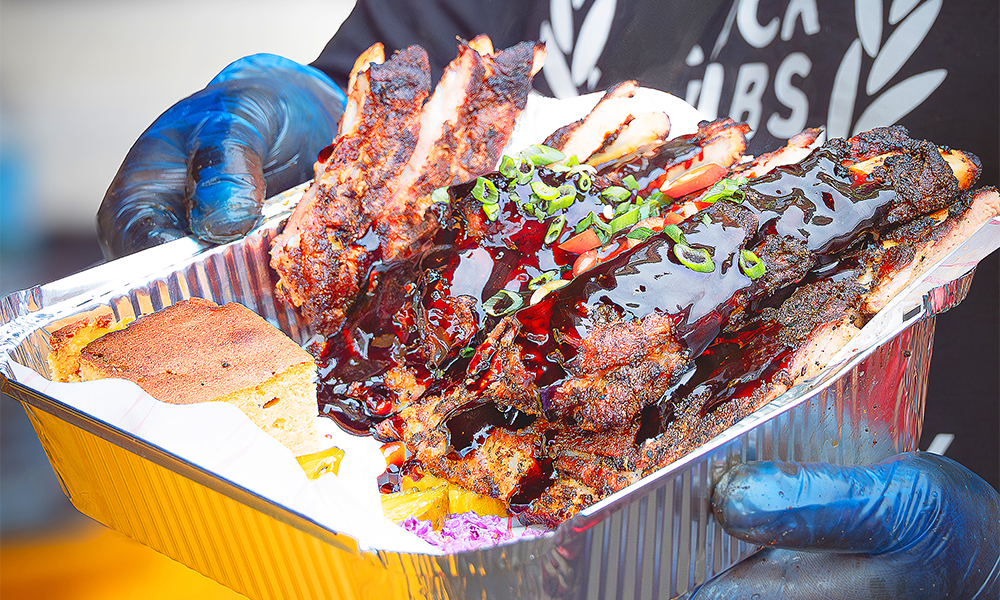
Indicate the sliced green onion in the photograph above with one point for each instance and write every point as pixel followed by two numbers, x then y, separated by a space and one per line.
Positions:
pixel 584 223
pixel 540 214
pixel 515 197
pixel 485 191
pixel 603 236
pixel 492 211
pixel 502 303
pixel 751 264
pixel 583 181
pixel 617 192
pixel 631 183
pixel 706 220
pixel 624 221
pixel 600 225
pixel 558 168
pixel 542 279
pixel 655 198
pixel 440 195
pixel 640 233
pixel 696 259
pixel 648 209
pixel 509 167
pixel 555 228
pixel 674 232
pixel 525 171
pixel 544 190
pixel 725 188
pixel 467 352
pixel 572 161
pixel 541 155
pixel 565 200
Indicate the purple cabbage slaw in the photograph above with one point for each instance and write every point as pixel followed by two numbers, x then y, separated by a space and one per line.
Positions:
pixel 468 531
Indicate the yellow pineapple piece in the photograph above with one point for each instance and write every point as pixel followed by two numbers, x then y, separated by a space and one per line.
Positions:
pixel 427 505
pixel 460 499
pixel 319 463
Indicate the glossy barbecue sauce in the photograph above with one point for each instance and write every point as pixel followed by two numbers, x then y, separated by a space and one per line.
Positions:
pixel 412 316
pixel 821 204
pixel 799 201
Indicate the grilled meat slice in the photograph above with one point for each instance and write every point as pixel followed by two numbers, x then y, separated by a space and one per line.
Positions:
pixel 798 147
pixel 791 219
pixel 371 200
pixel 906 251
pixel 464 127
pixel 320 257
pixel 611 132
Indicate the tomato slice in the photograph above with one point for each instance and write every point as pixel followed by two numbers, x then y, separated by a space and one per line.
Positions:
pixel 586 261
pixel 581 242
pixel 394 453
pixel 672 218
pixel 696 179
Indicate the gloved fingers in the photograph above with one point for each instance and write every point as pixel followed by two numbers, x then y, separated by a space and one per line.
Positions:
pixel 248 147
pixel 916 518
pixel 225 187
pixel 303 76
pixel 312 108
pixel 144 205
pixel 211 159
pixel 822 506
pixel 773 574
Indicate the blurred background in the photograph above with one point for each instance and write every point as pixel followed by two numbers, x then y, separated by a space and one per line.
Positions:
pixel 79 82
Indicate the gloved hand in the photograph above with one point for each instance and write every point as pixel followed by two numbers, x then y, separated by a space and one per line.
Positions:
pixel 915 526
pixel 209 161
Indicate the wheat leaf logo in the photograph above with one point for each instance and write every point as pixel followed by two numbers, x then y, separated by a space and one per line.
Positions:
pixel 901 44
pixel 914 19
pixel 868 15
pixel 900 99
pixel 572 59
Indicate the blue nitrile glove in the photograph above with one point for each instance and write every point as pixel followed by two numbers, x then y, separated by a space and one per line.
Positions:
pixel 915 526
pixel 207 163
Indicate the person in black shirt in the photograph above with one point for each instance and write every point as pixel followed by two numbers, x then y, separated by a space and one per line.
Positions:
pixel 779 65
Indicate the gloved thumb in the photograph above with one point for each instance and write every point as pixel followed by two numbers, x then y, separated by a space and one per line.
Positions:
pixel 257 142
pixel 917 525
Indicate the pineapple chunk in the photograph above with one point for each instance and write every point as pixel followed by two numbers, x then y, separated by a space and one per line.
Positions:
pixel 427 505
pixel 318 463
pixel 460 499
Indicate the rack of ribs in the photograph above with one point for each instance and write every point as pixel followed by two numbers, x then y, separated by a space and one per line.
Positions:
pixel 553 330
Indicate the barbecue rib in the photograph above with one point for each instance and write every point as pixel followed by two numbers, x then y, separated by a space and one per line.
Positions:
pixel 580 377
pixel 371 200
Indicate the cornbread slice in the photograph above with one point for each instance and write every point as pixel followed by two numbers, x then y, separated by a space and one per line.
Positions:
pixel 67 342
pixel 198 351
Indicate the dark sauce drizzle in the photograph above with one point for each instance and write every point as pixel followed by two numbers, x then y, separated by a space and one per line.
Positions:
pixel 799 201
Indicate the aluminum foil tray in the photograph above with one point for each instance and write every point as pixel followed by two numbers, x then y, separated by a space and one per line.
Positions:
pixel 655 539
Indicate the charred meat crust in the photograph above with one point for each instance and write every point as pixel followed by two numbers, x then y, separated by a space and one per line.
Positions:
pixel 371 199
